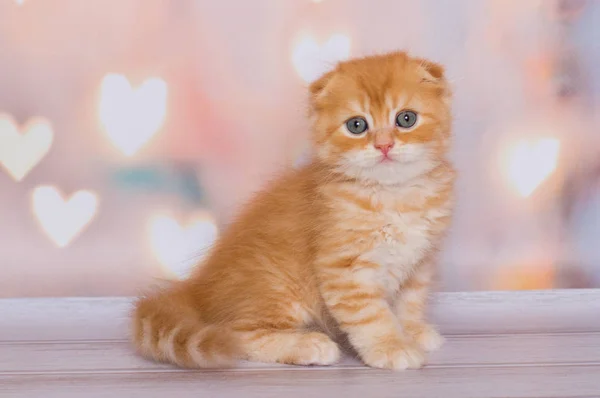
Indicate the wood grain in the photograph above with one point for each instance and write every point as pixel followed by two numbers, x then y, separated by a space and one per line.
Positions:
pixel 477 382
pixel 466 350
pixel 499 344
pixel 455 313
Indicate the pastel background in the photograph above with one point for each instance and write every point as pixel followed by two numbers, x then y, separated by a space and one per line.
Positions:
pixel 131 131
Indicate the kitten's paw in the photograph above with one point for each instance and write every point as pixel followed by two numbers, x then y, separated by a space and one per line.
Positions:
pixel 395 354
pixel 429 339
pixel 426 336
pixel 316 349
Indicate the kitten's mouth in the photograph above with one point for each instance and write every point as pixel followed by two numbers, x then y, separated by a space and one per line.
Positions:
pixel 386 159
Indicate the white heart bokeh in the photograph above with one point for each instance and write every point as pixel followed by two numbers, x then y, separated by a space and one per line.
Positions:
pixel 21 149
pixel 180 248
pixel 62 220
pixel 132 116
pixel 530 162
pixel 311 59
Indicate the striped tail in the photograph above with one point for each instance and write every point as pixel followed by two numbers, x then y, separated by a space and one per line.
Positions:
pixel 166 328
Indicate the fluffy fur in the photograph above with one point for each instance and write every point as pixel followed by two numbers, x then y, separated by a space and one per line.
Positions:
pixel 340 250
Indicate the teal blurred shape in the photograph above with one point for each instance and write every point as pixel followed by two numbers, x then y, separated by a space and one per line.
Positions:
pixel 173 179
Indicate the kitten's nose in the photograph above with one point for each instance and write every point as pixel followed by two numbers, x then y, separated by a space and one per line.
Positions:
pixel 384 147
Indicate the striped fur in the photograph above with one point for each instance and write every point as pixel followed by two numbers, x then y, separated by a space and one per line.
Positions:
pixel 340 250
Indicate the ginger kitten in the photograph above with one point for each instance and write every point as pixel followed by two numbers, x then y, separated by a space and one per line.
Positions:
pixel 345 246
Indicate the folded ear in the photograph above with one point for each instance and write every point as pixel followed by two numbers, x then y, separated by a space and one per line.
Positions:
pixel 318 87
pixel 433 75
pixel 431 71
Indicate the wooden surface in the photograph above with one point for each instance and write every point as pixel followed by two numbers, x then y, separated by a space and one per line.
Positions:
pixel 499 344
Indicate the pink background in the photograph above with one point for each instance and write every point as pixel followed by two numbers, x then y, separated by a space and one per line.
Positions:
pixel 236 113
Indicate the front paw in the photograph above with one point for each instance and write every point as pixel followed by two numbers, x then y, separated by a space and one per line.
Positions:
pixel 395 354
pixel 426 336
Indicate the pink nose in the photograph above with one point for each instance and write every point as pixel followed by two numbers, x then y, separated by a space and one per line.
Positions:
pixel 385 148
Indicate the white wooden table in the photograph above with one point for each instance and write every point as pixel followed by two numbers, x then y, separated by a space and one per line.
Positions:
pixel 499 344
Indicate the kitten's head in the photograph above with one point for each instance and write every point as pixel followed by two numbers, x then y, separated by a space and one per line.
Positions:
pixel 383 118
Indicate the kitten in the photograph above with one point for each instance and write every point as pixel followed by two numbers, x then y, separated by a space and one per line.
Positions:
pixel 344 246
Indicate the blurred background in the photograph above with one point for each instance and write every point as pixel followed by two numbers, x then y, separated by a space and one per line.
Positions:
pixel 131 131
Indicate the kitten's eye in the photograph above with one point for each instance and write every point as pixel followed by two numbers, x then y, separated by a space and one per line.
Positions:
pixel 357 125
pixel 406 119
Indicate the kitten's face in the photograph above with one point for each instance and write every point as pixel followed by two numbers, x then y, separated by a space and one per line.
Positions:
pixel 382 119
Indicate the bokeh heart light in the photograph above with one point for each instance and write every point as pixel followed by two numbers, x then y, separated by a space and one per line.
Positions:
pixel 528 163
pixel 180 247
pixel 63 219
pixel 132 116
pixel 21 149
pixel 311 59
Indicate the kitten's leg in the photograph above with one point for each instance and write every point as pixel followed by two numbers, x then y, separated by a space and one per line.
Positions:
pixel 362 312
pixel 289 346
pixel 410 307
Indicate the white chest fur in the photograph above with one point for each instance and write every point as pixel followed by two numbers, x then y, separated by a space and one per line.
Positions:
pixel 402 232
pixel 398 247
